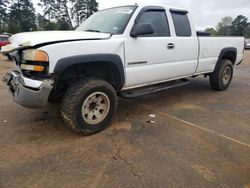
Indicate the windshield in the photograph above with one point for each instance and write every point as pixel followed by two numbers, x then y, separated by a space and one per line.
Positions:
pixel 113 21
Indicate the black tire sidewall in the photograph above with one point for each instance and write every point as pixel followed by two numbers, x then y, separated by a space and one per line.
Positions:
pixel 102 125
pixel 223 67
pixel 216 78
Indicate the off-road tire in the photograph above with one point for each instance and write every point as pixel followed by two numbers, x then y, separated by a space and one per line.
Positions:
pixel 216 78
pixel 76 95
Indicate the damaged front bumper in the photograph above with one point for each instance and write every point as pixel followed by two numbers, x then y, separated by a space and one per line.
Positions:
pixel 28 92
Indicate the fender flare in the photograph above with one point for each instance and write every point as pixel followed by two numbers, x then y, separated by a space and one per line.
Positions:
pixel 223 52
pixel 114 59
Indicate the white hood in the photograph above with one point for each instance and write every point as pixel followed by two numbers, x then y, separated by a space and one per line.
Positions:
pixel 22 40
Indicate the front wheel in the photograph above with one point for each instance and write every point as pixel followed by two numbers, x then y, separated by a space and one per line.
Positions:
pixel 88 106
pixel 222 77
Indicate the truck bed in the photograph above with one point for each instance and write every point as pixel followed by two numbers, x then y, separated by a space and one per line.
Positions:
pixel 210 48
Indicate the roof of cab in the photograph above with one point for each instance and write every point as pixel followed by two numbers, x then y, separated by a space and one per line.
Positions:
pixel 141 5
pixel 160 5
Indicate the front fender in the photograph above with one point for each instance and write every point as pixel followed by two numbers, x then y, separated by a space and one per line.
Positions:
pixel 114 59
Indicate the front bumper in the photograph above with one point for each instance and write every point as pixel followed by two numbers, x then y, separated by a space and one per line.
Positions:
pixel 28 92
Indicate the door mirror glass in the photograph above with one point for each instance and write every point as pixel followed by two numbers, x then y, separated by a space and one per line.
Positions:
pixel 142 29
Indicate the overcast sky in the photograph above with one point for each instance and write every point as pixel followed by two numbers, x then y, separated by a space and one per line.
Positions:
pixel 206 13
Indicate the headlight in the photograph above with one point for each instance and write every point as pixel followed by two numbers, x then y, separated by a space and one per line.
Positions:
pixel 34 60
pixel 35 55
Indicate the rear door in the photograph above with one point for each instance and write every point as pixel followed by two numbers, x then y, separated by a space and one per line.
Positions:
pixel 160 56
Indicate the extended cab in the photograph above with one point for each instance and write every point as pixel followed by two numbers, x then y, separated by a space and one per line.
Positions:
pixel 124 51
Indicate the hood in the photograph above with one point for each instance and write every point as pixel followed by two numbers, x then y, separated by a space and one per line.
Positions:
pixel 29 39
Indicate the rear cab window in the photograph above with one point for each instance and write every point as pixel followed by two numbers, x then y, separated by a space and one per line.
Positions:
pixel 181 23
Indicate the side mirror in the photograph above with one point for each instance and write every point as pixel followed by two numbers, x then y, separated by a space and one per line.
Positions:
pixel 142 29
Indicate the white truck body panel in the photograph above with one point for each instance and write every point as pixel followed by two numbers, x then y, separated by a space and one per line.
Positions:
pixel 210 48
pixel 162 64
pixel 41 37
pixel 86 47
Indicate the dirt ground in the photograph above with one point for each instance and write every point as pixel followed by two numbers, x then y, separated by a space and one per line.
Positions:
pixel 199 138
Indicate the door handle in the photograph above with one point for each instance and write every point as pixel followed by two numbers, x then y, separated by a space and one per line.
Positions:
pixel 171 46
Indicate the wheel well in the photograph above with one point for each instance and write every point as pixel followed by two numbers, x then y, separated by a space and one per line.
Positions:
pixel 103 70
pixel 230 55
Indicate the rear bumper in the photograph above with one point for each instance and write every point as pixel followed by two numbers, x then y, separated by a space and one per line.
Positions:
pixel 28 92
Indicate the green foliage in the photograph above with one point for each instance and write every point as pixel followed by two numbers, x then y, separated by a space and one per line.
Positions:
pixel 68 12
pixel 223 27
pixel 82 9
pixel 19 16
pixel 211 30
pixel 44 24
pixel 239 25
pixel 47 25
pixel 229 27
pixel 247 31
pixel 3 15
pixel 22 17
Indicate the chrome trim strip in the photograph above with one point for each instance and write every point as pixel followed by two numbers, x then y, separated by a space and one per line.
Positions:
pixel 31 83
pixel 27 82
pixel 138 63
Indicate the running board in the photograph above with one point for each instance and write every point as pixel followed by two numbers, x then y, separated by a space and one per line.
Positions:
pixel 154 88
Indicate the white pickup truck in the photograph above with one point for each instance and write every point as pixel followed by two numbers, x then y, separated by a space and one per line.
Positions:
pixel 125 51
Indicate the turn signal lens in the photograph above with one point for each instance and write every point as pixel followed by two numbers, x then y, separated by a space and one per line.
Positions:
pixel 40 56
pixel 36 68
pixel 35 55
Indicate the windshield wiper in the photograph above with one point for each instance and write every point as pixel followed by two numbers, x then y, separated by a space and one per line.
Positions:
pixel 93 30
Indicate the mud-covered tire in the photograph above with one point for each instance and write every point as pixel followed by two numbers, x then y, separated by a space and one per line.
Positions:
pixel 79 94
pixel 222 77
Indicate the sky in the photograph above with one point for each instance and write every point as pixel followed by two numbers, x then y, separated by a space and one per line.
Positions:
pixel 205 13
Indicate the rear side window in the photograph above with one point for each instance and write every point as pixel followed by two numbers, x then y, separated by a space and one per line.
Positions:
pixel 181 24
pixel 158 20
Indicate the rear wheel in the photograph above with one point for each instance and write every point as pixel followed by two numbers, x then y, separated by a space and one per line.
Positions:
pixel 88 106
pixel 222 77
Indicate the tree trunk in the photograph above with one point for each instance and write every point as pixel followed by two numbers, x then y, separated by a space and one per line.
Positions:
pixel 68 15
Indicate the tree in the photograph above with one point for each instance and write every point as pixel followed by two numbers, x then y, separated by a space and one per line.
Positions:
pixel 223 27
pixel 247 31
pixel 211 30
pixel 82 9
pixel 68 12
pixel 239 25
pixel 22 17
pixel 3 15
pixel 44 24
pixel 57 10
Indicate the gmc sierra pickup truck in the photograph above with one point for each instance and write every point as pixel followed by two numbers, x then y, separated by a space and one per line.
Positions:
pixel 125 51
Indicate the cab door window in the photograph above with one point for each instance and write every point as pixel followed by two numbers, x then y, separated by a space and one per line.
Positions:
pixel 158 20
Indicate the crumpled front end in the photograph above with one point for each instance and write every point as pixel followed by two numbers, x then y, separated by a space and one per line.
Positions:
pixel 28 92
pixel 29 83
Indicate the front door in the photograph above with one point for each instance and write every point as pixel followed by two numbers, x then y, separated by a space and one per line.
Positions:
pixel 157 57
